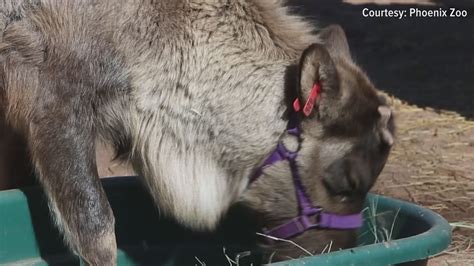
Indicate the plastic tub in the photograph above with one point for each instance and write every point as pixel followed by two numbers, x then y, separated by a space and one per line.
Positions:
pixel 27 236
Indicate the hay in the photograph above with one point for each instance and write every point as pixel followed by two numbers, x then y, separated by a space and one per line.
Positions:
pixel 465 225
pixel 328 247
pixel 238 256
pixel 287 241
pixel 199 261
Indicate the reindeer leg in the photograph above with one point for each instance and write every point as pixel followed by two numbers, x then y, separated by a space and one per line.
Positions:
pixel 63 152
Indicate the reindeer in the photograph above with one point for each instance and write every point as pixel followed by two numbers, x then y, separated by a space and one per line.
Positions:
pixel 213 101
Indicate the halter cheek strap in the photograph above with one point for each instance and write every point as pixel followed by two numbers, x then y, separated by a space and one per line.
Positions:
pixel 309 216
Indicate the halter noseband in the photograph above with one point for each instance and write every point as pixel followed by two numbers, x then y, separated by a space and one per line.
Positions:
pixel 309 216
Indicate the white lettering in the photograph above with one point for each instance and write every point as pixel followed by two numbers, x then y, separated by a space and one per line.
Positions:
pixel 456 13
pixel 364 12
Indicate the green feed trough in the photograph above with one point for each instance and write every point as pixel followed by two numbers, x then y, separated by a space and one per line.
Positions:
pixel 395 232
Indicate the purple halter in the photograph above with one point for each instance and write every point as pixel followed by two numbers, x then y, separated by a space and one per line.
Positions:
pixel 309 216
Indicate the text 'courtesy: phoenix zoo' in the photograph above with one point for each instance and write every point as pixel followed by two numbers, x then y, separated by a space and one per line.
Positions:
pixel 451 12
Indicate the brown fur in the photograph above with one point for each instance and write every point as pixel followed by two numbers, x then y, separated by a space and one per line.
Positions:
pixel 194 93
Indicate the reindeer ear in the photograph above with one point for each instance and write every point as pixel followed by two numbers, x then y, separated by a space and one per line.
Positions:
pixel 385 114
pixel 335 41
pixel 316 68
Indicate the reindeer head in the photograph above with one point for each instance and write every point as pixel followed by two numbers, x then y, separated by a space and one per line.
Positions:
pixel 344 144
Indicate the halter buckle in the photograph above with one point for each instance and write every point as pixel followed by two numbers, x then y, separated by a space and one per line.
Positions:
pixel 311 218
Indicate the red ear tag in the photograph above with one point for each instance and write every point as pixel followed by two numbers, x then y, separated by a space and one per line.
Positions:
pixel 296 105
pixel 309 105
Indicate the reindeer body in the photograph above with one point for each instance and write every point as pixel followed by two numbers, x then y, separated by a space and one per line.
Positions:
pixel 192 92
